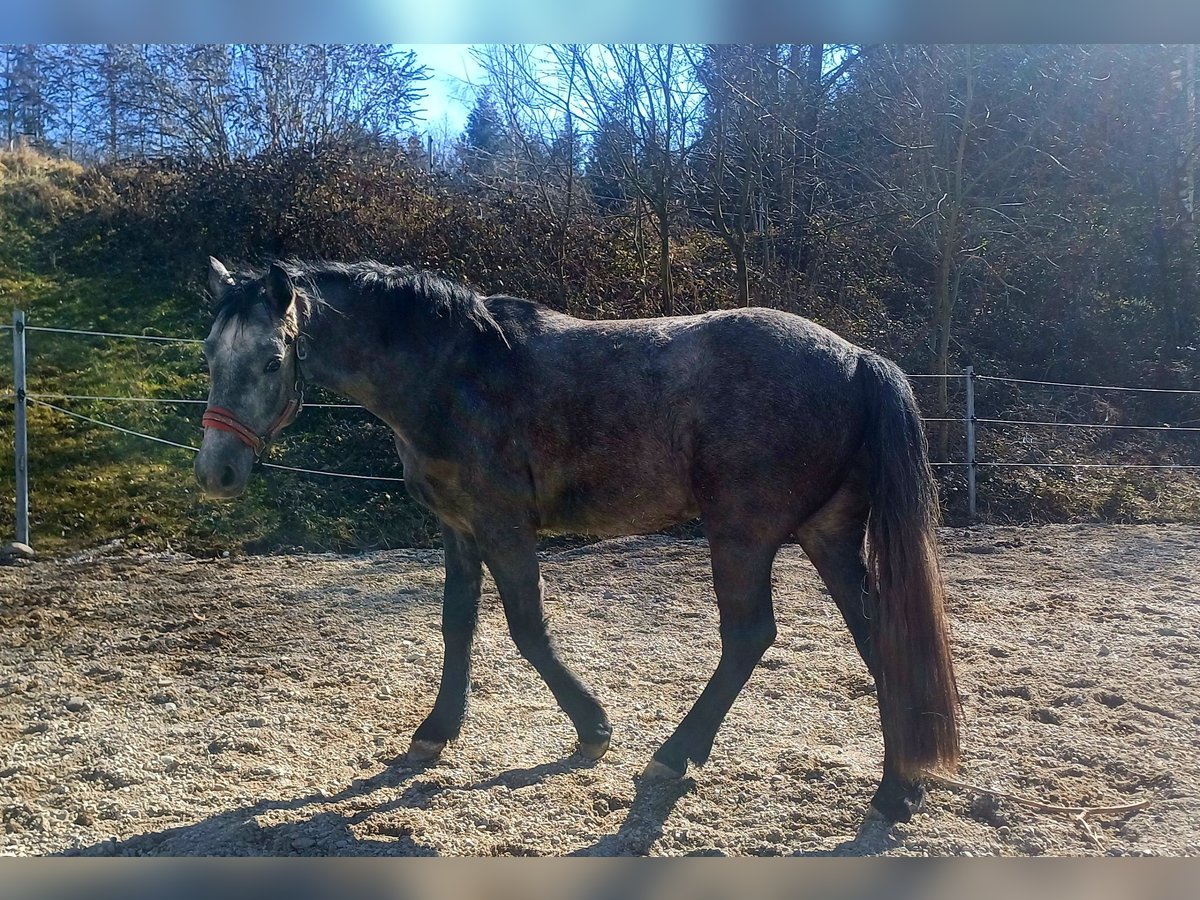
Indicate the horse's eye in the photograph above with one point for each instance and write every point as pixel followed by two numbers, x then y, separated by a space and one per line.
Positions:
pixel 273 365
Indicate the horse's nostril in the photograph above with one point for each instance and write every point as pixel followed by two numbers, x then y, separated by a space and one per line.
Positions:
pixel 228 477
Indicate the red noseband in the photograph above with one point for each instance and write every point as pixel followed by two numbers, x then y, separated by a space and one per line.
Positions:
pixel 224 420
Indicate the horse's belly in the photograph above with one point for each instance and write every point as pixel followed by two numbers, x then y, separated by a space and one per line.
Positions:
pixel 618 501
pixel 614 520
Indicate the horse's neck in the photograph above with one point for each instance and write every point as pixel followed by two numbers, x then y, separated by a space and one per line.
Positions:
pixel 344 358
pixel 335 358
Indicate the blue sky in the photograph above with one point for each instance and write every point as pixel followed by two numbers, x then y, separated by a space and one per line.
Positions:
pixel 448 98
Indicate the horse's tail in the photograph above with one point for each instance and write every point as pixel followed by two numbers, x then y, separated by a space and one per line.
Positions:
pixel 918 698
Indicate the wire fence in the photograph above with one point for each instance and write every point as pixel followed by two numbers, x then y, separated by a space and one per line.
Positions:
pixel 1090 387
pixel 165 400
pixel 112 334
pixel 52 401
pixel 159 440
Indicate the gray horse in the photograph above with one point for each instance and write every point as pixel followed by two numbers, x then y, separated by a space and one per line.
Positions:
pixel 512 419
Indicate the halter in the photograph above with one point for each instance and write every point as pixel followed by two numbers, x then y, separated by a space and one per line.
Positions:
pixel 224 420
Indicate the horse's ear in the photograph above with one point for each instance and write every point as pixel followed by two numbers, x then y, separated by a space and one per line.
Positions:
pixel 281 293
pixel 218 278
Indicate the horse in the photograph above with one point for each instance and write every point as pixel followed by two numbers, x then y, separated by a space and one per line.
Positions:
pixel 512 420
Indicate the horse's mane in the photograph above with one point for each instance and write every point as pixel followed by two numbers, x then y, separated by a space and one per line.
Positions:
pixel 398 293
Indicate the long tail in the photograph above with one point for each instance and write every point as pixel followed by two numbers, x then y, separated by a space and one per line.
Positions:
pixel 918 698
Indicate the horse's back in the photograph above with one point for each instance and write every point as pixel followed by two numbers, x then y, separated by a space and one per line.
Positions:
pixel 631 425
pixel 754 345
pixel 734 372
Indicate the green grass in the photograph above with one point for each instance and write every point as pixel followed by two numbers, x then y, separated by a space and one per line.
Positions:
pixel 89 485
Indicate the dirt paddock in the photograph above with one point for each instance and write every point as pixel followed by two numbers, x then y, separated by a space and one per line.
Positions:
pixel 161 704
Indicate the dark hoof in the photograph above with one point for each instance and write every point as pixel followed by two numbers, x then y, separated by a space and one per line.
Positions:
pixel 592 751
pixel 660 771
pixel 422 752
pixel 897 801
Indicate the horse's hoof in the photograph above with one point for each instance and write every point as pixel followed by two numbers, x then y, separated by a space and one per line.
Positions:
pixel 897 801
pixel 424 751
pixel 592 751
pixel 656 770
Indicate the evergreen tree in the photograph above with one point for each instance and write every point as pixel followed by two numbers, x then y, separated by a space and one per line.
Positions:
pixel 608 163
pixel 483 139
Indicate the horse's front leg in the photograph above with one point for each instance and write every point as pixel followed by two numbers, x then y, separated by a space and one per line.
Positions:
pixel 511 556
pixel 460 611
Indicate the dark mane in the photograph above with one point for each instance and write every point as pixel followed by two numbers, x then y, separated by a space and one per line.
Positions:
pixel 400 296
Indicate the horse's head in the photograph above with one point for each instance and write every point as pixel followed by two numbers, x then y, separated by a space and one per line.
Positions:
pixel 252 352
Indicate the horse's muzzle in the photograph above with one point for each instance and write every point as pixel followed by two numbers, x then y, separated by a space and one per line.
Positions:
pixel 223 467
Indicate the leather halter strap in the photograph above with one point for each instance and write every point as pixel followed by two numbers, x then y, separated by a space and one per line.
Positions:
pixel 225 420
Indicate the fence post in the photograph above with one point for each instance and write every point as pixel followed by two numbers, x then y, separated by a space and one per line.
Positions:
pixel 20 447
pixel 969 376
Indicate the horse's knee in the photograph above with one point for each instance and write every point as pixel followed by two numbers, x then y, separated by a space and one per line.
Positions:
pixel 530 638
pixel 749 639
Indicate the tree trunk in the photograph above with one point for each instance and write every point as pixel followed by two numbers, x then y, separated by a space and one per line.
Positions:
pixel 565 223
pixel 809 123
pixel 639 245
pixel 945 291
pixel 664 263
pixel 943 309
pixel 804 171
pixel 1190 247
pixel 743 272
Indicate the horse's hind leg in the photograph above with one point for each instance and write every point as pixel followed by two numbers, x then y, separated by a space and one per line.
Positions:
pixel 833 540
pixel 742 579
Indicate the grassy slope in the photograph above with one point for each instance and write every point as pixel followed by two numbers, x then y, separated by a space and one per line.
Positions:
pixel 89 485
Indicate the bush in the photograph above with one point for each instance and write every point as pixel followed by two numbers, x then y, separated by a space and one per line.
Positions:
pixel 124 247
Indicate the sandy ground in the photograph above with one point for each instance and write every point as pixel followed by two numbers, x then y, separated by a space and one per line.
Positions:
pixel 161 704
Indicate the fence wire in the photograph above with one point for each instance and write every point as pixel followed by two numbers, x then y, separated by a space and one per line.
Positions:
pixel 42 399
pixel 1090 387
pixel 1050 465
pixel 76 415
pixel 1180 428
pixel 114 334
pixel 167 400
pixel 164 400
pixel 188 447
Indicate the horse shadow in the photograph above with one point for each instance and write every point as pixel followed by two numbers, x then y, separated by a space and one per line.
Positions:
pixel 327 828
pixel 874 837
pixel 653 802
pixel 323 832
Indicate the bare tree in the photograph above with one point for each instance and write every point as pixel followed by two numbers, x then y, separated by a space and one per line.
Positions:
pixel 731 159
pixel 646 92
pixel 541 145
pixel 24 93
pixel 115 101
pixel 949 176
pixel 299 96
